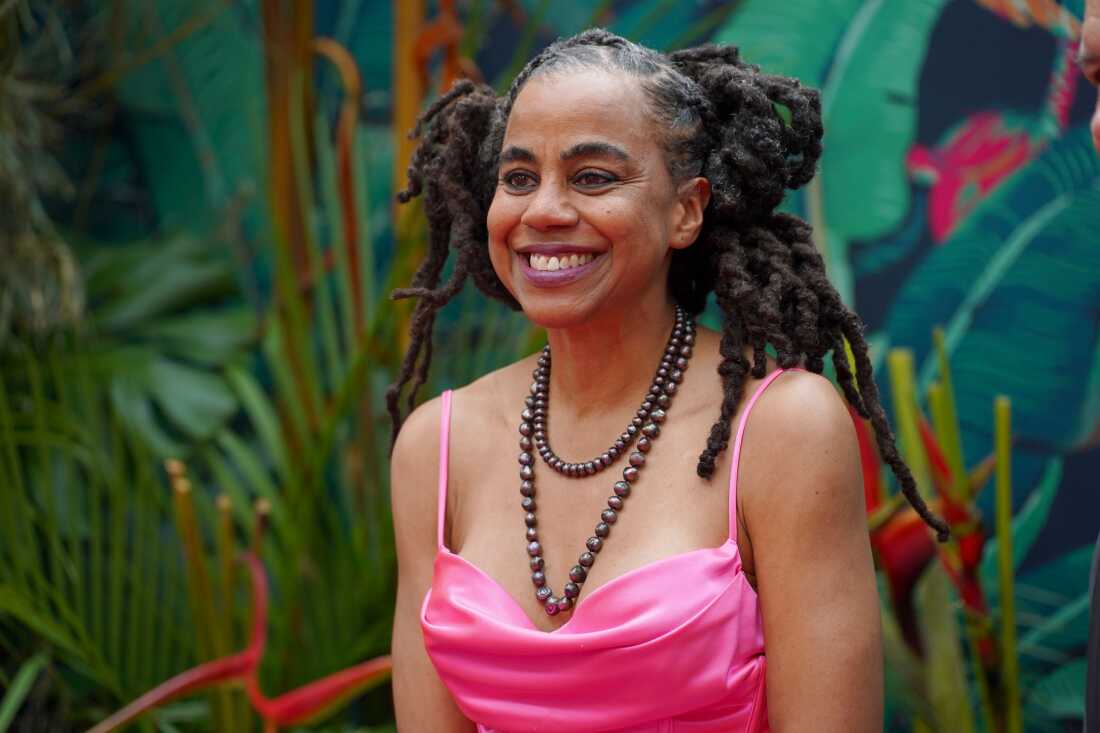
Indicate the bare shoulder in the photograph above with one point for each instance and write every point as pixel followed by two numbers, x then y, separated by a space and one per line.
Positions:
pixel 802 461
pixel 414 465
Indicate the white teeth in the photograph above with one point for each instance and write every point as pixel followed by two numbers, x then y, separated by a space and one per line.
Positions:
pixel 552 263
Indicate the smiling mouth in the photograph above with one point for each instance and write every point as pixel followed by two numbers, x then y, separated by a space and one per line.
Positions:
pixel 554 263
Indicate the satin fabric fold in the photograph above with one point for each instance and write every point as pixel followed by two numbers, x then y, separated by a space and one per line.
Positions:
pixel 675 646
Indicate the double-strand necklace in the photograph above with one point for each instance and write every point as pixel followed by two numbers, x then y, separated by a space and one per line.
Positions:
pixel 644 427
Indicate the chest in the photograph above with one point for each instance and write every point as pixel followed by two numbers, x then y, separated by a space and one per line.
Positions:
pixel 670 511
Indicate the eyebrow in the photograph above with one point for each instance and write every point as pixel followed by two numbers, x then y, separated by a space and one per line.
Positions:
pixel 597 149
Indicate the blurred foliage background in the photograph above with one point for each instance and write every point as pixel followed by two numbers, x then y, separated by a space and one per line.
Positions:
pixel 197 242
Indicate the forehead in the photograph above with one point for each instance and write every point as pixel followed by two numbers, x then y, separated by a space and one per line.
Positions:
pixel 559 107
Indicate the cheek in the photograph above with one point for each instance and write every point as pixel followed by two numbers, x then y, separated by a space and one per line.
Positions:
pixel 1096 123
pixel 500 221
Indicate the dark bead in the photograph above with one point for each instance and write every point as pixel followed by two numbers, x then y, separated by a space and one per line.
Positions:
pixel 539 423
pixel 526 459
pixel 615 502
pixel 670 349
pixel 572 590
pixel 681 363
pixel 651 430
pixel 671 387
pixel 525 428
pixel 685 351
pixel 538 578
pixel 578 574
pixel 647 406
pixel 613 452
pixel 528 504
pixel 676 376
pixel 544 451
pixel 689 338
pixel 658 381
pixel 557 464
pixel 536 563
pixel 622 488
pixel 532 534
pixel 631 430
pixel 525 443
pixel 654 393
pixel 630 473
pixel 586 559
pixel 529 400
pixel 664 400
pixel 534 549
pixel 594 544
pixel 620 444
pixel 609 515
pixel 590 467
pixel 637 422
pixel 658 416
pixel 543 593
pixel 535 387
pixel 606 459
pixel 564 604
pixel 530 519
pixel 526 473
pixel 644 444
pixel 637 459
pixel 527 415
pixel 662 372
pixel 603 529
pixel 540 411
pixel 552 606
pixel 541 434
pixel 527 488
pixel 641 414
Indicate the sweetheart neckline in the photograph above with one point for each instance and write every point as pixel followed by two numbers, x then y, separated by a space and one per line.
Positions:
pixel 730 542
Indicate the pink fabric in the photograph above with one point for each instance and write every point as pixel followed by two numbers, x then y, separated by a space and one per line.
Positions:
pixel 673 646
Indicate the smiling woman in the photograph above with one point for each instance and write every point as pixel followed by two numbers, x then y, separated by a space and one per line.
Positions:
pixel 607 195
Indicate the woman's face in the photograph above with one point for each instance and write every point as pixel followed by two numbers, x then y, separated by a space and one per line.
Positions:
pixel 583 177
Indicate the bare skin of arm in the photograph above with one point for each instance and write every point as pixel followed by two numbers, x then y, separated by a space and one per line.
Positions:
pixel 421 701
pixel 800 484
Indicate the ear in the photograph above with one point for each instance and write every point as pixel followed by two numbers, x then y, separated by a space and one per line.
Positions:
pixel 692 197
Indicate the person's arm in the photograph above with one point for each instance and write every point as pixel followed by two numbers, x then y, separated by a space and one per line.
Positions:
pixel 421 702
pixel 813 564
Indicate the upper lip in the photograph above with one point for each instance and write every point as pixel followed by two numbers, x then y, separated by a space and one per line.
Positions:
pixel 556 249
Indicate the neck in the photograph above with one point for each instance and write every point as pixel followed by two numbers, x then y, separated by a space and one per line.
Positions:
pixel 608 362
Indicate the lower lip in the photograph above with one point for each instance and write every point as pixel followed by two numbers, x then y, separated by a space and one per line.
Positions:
pixel 555 278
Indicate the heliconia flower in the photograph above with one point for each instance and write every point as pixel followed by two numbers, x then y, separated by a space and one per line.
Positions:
pixel 306 704
pixel 904 546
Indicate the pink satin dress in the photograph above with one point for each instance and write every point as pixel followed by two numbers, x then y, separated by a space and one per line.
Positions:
pixel 676 645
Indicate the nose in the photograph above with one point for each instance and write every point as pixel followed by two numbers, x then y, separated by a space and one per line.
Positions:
pixel 549 207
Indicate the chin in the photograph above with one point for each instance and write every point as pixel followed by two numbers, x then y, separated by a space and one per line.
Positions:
pixel 554 312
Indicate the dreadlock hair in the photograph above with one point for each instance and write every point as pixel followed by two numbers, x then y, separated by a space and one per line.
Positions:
pixel 718 117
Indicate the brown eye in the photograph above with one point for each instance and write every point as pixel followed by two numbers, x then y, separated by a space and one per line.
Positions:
pixel 519 180
pixel 593 178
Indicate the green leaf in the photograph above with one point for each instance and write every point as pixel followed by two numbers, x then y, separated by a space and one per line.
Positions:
pixel 20 688
pixel 210 337
pixel 989 286
pixel 136 412
pixel 1061 694
pixel 1026 525
pixel 198 402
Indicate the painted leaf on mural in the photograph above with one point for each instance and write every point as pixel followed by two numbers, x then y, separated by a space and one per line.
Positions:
pixel 1016 291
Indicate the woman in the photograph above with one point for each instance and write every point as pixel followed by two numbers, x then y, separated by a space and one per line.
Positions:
pixel 606 196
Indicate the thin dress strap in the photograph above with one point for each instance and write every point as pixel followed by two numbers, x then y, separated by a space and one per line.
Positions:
pixel 444 443
pixel 737 445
